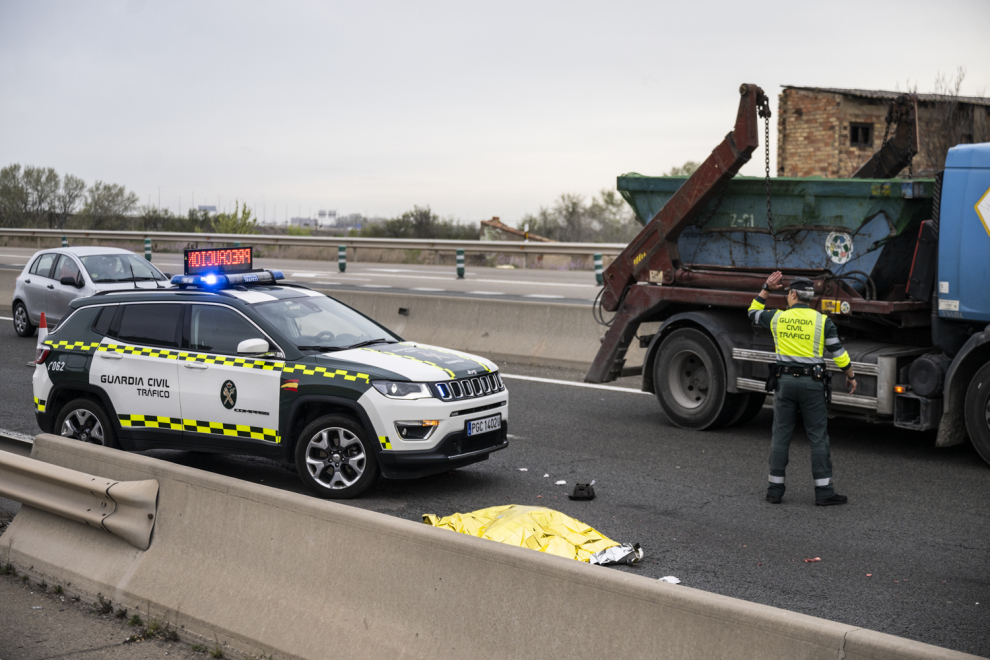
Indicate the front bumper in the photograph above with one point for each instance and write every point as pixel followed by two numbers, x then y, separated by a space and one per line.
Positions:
pixel 456 450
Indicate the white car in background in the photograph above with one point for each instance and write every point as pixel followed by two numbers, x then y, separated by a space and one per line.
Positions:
pixel 53 278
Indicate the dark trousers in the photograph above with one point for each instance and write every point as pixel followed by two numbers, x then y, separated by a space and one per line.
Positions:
pixel 807 396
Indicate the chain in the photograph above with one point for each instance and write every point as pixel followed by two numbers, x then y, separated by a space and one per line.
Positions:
pixel 764 111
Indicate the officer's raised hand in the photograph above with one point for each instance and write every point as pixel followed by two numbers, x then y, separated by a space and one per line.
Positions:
pixel 773 282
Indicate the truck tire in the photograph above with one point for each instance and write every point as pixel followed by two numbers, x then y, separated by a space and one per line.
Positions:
pixel 334 457
pixel 689 379
pixel 85 420
pixel 750 407
pixel 978 412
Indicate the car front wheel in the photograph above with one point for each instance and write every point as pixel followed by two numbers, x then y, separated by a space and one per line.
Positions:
pixel 22 321
pixel 335 458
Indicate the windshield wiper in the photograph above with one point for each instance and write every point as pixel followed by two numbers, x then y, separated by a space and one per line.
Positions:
pixel 369 343
pixel 328 349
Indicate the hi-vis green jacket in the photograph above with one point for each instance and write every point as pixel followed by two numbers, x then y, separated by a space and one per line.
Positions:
pixel 801 335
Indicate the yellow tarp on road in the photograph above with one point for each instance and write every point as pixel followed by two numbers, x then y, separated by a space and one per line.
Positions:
pixel 534 527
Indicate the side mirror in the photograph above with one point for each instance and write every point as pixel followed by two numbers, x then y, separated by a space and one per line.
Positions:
pixel 252 347
pixel 168 276
pixel 70 281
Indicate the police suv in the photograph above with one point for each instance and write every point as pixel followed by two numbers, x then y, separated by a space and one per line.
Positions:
pixel 231 360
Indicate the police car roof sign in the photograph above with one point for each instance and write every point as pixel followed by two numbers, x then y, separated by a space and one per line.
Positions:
pixel 218 260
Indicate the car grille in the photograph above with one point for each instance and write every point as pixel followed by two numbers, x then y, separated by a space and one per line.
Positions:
pixel 469 388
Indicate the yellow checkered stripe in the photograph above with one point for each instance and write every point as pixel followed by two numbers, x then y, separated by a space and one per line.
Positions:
pixel 39 404
pixel 196 426
pixel 186 356
pixel 385 443
pixel 309 370
pixel 73 345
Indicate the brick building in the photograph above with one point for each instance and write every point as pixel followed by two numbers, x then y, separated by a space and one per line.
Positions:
pixel 831 132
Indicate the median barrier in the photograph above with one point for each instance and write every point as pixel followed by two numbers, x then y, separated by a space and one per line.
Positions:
pixel 543 334
pixel 8 279
pixel 267 570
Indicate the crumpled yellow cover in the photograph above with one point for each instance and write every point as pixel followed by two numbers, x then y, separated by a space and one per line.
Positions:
pixel 534 527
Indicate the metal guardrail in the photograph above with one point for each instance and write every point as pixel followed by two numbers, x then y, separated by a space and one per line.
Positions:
pixel 473 247
pixel 124 508
pixel 16 443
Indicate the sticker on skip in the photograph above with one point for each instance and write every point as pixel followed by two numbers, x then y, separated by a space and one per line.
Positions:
pixel 943 287
pixel 948 305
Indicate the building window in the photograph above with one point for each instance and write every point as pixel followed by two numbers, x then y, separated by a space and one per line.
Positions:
pixel 860 135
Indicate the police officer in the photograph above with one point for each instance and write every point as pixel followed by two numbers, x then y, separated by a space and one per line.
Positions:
pixel 801 335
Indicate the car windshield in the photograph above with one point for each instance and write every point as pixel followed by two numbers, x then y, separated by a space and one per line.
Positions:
pixel 318 323
pixel 104 268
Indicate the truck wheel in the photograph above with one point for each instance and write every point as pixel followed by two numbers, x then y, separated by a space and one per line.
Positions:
pixel 22 321
pixel 334 457
pixel 690 382
pixel 978 411
pixel 85 420
pixel 750 407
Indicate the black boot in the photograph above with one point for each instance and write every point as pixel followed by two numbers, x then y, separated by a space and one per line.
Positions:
pixel 835 499
pixel 773 499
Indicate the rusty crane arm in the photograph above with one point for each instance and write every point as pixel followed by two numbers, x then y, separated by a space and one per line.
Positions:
pixel 896 153
pixel 654 250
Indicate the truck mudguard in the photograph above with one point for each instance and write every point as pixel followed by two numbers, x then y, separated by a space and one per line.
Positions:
pixel 730 328
pixel 973 355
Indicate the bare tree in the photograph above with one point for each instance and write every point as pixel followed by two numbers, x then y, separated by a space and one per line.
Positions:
pixel 13 197
pixel 67 199
pixel 950 121
pixel 106 205
pixel 42 186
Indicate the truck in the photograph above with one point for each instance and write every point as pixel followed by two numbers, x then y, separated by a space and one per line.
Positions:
pixel 901 266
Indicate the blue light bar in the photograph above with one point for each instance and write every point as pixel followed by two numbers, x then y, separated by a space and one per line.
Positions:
pixel 214 281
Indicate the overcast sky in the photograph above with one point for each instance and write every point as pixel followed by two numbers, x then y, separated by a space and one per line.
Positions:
pixel 476 109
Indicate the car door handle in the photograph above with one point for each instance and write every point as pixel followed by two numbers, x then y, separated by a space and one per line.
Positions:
pixel 195 365
pixel 27 281
pixel 51 286
pixel 111 356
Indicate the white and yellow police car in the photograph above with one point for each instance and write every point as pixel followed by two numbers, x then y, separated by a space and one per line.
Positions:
pixel 230 359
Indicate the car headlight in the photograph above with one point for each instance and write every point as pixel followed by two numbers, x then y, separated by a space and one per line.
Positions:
pixel 396 390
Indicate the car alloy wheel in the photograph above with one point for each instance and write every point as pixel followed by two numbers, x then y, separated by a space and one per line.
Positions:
pixel 81 424
pixel 335 458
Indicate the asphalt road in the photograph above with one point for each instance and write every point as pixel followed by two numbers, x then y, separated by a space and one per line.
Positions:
pixel 548 286
pixel 909 555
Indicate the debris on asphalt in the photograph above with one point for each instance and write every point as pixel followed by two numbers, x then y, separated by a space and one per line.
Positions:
pixel 37 607
pixel 627 553
pixel 546 475
pixel 869 575
pixel 815 559
pixel 541 529
pixel 524 469
pixel 583 492
pixel 561 483
pixel 671 579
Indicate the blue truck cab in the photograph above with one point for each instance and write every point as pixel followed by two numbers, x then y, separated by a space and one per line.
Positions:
pixel 962 312
pixel 964 235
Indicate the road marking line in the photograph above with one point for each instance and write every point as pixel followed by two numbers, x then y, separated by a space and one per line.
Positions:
pixel 593 386
pixel 6 318
pixel 305 274
pixel 425 288
pixel 486 293
pixel 377 286
pixel 540 295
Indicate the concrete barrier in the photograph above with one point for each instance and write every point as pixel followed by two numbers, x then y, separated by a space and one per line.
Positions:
pixel 277 572
pixel 8 278
pixel 502 330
